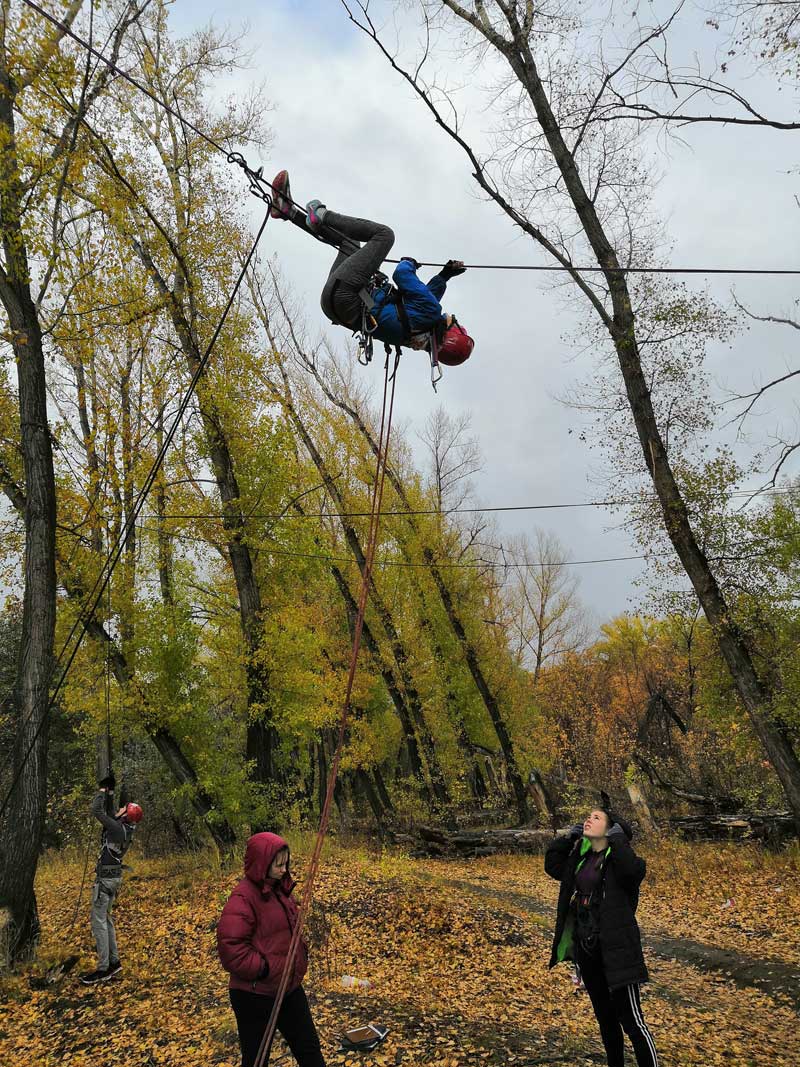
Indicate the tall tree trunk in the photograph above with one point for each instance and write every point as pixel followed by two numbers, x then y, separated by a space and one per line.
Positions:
pixel 468 649
pixel 367 786
pixel 399 653
pixel 23 824
pixel 392 685
pixel 383 792
pixel 165 567
pixel 322 778
pixel 128 449
pixel 755 694
pixel 261 734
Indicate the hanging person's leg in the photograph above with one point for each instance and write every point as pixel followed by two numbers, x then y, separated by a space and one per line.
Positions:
pixel 283 207
pixel 350 273
pixel 355 265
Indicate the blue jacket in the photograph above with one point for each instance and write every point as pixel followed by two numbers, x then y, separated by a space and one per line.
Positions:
pixel 421 302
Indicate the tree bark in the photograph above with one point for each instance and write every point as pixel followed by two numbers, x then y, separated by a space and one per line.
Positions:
pixel 262 736
pixel 468 649
pixel 638 800
pixel 756 695
pixel 391 683
pixel 383 792
pixel 165 567
pixel 387 622
pixel 368 788
pixel 21 831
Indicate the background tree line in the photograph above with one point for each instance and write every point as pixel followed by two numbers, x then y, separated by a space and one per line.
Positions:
pixel 213 669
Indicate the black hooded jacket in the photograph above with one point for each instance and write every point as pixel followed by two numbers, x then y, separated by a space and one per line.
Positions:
pixel 623 871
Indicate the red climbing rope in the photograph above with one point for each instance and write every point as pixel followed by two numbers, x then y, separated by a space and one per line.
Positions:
pixel 366 578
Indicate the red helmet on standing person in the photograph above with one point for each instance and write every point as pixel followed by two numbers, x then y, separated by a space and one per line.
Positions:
pixel 456 345
pixel 133 813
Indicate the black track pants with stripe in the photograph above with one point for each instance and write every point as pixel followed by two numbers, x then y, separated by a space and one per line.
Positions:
pixel 617 1011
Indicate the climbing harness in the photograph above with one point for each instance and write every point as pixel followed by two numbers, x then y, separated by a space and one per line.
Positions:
pixel 369 325
pixel 387 410
pixel 436 370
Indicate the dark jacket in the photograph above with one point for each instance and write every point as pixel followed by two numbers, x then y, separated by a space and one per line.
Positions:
pixel 115 841
pixel 620 941
pixel 257 923
pixel 421 302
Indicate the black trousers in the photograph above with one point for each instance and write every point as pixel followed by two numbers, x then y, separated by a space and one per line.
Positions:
pixel 617 1010
pixel 252 1011
pixel 354 266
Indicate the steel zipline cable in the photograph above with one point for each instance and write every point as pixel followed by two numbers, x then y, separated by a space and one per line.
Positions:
pixel 257 177
pixel 275 516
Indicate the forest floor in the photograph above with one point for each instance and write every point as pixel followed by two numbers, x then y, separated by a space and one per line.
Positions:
pixel 456 953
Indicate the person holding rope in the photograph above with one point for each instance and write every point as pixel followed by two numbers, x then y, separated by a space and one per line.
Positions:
pixel 117 836
pixel 596 927
pixel 410 314
pixel 253 937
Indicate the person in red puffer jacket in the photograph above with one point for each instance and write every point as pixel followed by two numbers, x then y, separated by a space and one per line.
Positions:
pixel 253 936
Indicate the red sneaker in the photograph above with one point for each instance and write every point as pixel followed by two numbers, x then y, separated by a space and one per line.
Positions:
pixel 281 196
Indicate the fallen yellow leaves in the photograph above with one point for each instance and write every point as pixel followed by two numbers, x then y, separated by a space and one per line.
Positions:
pixel 456 969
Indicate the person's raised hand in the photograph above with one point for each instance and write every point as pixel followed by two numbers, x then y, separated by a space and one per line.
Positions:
pixel 415 263
pixel 451 268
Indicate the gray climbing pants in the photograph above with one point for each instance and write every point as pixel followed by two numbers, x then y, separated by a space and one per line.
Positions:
pixel 354 266
pixel 104 893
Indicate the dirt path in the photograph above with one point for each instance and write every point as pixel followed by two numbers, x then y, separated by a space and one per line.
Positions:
pixel 768 976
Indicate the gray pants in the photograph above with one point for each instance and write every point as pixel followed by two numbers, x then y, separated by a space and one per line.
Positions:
pixel 104 894
pixel 354 266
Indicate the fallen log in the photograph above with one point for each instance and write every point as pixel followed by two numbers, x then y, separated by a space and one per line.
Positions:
pixel 433 841
pixel 771 828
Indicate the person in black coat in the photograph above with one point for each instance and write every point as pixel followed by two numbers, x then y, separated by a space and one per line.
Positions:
pixel 596 927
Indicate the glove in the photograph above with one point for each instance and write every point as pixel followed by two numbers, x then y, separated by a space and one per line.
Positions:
pixel 616 831
pixel 410 259
pixel 576 831
pixel 263 972
pixel 451 268
pixel 109 782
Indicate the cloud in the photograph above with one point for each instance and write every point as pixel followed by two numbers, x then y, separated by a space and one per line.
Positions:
pixel 352 134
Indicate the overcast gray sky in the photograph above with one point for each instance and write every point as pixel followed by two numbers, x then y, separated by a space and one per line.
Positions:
pixel 352 134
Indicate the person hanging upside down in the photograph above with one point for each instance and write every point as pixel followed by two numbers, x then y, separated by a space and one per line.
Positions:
pixel 596 927
pixel 253 937
pixel 405 316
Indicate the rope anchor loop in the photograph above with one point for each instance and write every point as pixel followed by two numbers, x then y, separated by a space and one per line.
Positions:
pixel 259 186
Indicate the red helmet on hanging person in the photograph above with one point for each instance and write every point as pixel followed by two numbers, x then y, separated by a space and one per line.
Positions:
pixel 456 345
pixel 133 813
